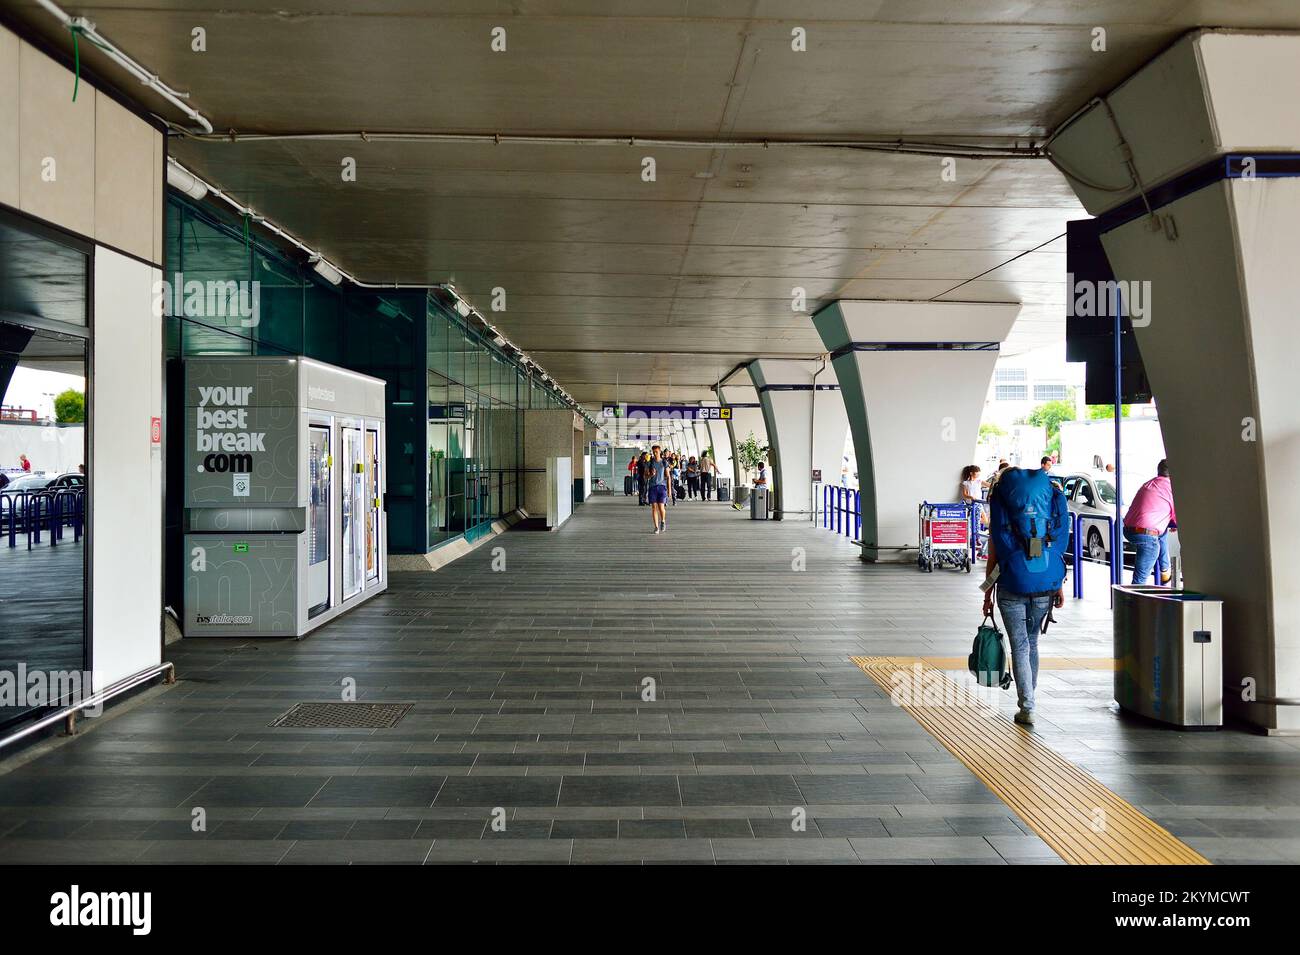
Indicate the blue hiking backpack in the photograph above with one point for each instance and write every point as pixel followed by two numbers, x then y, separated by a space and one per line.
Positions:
pixel 1030 527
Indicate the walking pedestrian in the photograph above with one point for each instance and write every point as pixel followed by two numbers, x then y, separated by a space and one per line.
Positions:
pixel 708 476
pixel 1028 535
pixel 643 478
pixel 692 478
pixel 659 480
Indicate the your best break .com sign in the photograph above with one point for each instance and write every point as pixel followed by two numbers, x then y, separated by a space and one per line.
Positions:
pixel 222 428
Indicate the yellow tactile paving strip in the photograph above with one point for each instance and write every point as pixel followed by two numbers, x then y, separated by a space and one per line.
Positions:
pixel 1083 821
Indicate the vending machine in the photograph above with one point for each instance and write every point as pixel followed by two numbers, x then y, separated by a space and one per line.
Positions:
pixel 284 495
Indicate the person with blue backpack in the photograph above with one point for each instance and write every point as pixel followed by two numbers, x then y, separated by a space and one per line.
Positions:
pixel 1029 532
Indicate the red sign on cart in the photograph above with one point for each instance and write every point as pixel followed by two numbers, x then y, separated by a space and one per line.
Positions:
pixel 155 430
pixel 948 532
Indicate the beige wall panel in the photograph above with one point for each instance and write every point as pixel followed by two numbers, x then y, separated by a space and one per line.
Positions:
pixel 8 118
pixel 126 191
pixel 158 179
pixel 53 126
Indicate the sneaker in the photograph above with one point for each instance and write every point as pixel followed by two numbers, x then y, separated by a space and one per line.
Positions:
pixel 656 530
pixel 1025 717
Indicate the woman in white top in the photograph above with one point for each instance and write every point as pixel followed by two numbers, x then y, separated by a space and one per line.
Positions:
pixel 971 490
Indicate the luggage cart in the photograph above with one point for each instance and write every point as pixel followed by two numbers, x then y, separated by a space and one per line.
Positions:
pixel 944 536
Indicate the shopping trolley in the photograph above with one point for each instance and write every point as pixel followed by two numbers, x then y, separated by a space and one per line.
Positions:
pixel 944 533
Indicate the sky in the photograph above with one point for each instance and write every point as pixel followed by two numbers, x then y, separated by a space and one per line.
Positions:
pixel 29 389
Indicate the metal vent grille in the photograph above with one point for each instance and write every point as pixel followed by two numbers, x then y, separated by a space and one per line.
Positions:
pixel 343 716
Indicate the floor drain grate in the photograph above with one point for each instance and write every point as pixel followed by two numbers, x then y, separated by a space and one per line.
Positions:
pixel 408 613
pixel 343 716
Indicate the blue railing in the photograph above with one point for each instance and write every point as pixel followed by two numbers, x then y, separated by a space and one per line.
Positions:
pixel 842 510
pixel 1114 560
pixel 53 511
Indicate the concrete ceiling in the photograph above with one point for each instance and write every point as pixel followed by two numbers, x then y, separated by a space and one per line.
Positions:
pixel 610 279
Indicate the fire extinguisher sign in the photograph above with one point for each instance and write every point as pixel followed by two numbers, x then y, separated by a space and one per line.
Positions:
pixel 155 430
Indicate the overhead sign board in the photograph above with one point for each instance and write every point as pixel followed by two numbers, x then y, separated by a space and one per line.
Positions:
pixel 666 412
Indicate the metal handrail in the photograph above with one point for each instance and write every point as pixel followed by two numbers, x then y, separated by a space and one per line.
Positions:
pixel 69 713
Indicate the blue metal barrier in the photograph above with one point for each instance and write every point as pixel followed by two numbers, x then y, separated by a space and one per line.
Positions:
pixel 1115 558
pixel 842 510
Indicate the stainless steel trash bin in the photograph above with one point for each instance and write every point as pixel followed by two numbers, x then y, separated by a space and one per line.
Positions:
pixel 758 507
pixel 1169 655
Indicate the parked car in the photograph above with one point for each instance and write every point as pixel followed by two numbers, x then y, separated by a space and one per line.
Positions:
pixel 1092 497
pixel 51 482
pixel 29 482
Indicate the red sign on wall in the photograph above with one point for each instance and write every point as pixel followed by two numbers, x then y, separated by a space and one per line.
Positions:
pixel 155 430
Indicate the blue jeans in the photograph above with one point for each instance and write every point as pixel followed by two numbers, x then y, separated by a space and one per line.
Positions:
pixel 1023 616
pixel 1147 552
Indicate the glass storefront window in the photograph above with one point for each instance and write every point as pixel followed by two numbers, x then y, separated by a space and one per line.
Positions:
pixel 44 343
pixel 475 427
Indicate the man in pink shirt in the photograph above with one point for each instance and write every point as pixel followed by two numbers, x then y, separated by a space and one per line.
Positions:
pixel 1146 525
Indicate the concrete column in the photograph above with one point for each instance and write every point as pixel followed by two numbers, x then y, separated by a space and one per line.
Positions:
pixel 806 423
pixel 720 437
pixel 1215 141
pixel 913 376
pixel 746 418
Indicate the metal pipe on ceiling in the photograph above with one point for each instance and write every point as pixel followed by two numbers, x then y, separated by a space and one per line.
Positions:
pixel 1030 150
pixel 87 29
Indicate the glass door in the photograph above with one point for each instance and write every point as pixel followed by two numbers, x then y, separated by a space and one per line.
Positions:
pixel 372 504
pixel 318 519
pixel 354 511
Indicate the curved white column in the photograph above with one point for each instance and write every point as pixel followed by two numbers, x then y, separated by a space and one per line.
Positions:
pixel 913 376
pixel 806 423
pixel 1219 340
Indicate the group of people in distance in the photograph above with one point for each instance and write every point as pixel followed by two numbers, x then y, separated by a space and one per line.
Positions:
pixel 663 477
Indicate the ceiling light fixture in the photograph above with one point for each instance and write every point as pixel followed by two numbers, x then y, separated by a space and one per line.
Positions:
pixel 326 271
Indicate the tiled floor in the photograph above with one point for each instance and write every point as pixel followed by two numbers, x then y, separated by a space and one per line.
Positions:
pixel 531 741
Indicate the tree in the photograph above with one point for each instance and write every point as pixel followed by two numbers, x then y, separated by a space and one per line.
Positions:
pixel 990 431
pixel 1050 415
pixel 70 407
pixel 750 454
pixel 1106 412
